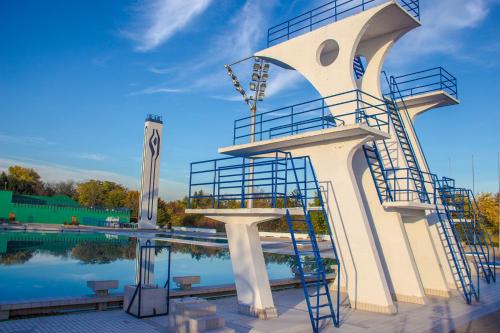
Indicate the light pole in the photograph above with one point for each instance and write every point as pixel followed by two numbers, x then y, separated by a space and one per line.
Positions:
pixel 258 84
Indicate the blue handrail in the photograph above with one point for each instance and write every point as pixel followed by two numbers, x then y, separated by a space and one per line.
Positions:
pixel 314 115
pixel 425 81
pixel 402 186
pixel 265 178
pixel 331 11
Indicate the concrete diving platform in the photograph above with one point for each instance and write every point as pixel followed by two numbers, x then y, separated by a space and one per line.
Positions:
pixel 329 135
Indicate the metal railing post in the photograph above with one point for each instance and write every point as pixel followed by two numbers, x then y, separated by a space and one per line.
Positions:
pixel 213 186
pixel 242 205
pixel 190 180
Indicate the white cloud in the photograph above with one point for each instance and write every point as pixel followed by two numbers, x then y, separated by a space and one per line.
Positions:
pixel 442 23
pixel 160 19
pixel 51 172
pixel 157 90
pixel 89 156
pixel 241 39
pixel 26 140
pixel 158 70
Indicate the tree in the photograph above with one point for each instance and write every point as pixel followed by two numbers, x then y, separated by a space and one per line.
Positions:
pixel 163 217
pixel 115 198
pixel 90 193
pixel 23 180
pixel 4 181
pixel 64 188
pixel 132 202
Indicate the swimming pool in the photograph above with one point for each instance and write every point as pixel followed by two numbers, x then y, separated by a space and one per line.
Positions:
pixel 54 264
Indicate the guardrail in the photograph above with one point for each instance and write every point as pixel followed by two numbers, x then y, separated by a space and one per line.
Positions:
pixel 268 180
pixel 329 12
pixel 425 81
pixel 401 185
pixel 313 115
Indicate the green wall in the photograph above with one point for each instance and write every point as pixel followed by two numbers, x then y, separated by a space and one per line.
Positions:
pixel 31 213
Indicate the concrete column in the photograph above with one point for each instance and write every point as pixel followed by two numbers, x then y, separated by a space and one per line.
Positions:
pixel 363 275
pixel 432 218
pixel 391 240
pixel 150 178
pixel 247 258
pixel 251 278
pixel 426 256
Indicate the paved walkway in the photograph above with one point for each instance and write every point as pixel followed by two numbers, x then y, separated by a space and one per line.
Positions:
pixel 438 315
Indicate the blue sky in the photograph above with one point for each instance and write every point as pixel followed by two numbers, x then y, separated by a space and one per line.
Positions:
pixel 77 79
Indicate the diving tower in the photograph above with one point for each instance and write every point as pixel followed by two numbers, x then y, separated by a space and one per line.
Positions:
pixel 370 181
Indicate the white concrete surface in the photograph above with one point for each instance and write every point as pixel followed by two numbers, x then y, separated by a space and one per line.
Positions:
pixel 439 315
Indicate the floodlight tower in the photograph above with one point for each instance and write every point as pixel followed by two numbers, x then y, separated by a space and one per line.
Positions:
pixel 150 179
pixel 258 84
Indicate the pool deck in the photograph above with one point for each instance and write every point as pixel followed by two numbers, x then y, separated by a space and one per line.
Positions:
pixel 438 315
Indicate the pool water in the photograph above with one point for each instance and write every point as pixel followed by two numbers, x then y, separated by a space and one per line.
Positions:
pixel 37 265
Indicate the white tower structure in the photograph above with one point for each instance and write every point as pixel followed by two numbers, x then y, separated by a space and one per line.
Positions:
pixel 150 178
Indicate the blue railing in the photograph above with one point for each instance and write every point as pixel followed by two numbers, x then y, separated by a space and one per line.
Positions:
pixel 429 80
pixel 402 187
pixel 154 118
pixel 329 12
pixel 268 180
pixel 313 115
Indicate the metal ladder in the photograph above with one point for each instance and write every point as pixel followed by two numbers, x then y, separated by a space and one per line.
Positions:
pixel 458 261
pixel 407 149
pixel 480 246
pixel 377 170
pixel 310 264
pixel 359 69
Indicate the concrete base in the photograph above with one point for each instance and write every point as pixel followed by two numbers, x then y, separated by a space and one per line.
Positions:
pixel 438 293
pixel 409 299
pixel 153 301
pixel 259 313
pixel 195 315
pixel 390 309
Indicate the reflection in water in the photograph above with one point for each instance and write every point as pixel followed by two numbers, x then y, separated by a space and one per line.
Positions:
pixel 36 265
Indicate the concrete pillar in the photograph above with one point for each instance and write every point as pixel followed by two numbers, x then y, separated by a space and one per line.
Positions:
pixel 150 177
pixel 363 275
pixel 415 109
pixel 426 256
pixel 391 240
pixel 247 258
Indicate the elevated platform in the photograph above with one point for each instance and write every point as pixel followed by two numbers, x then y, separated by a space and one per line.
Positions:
pixel 329 135
pixel 421 103
pixel 262 212
pixel 408 207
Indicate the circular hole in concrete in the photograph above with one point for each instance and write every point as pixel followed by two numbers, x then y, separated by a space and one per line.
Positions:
pixel 327 52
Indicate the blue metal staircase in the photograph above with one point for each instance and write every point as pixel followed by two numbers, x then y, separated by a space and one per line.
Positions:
pixel 466 218
pixel 377 170
pixel 310 263
pixel 359 68
pixel 451 236
pixel 405 145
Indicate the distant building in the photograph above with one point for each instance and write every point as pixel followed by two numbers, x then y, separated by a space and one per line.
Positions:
pixel 58 209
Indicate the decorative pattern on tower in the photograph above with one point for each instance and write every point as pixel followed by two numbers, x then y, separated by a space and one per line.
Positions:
pixel 150 178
